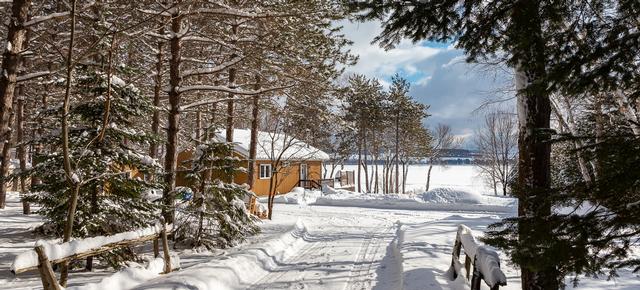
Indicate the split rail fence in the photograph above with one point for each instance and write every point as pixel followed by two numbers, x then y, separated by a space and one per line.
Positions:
pixel 484 260
pixel 38 258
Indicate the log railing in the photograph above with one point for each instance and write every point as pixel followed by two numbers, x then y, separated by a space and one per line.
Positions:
pixel 25 261
pixel 485 261
pixel 314 184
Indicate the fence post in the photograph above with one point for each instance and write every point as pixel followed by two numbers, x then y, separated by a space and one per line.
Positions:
pixel 165 248
pixel 49 281
pixel 456 255
pixel 477 276
pixel 156 248
pixel 467 264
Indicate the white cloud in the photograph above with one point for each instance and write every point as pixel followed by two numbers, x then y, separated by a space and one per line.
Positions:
pixel 440 77
pixel 375 61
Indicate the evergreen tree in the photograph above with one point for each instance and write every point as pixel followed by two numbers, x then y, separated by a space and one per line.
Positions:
pixel 110 163
pixel 216 216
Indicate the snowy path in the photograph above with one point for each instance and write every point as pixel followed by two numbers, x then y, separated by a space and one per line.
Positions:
pixel 343 251
pixel 337 256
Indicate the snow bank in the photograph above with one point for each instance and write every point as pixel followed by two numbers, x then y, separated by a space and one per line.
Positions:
pixel 55 251
pixel 131 276
pixel 298 196
pixel 449 195
pixel 437 199
pixel 237 270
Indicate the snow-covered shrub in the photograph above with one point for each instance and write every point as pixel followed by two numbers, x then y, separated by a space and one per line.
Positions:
pixel 216 216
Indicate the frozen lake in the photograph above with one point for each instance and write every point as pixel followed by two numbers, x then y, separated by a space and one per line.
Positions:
pixel 463 177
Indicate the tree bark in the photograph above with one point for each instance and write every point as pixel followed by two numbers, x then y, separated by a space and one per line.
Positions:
pixel 429 175
pixel 73 183
pixel 366 165
pixel 359 163
pixel 175 79
pixel 16 39
pixel 157 91
pixel 232 85
pixel 22 152
pixel 253 143
pixel 397 148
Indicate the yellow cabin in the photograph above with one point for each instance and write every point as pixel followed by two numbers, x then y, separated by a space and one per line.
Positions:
pixel 293 162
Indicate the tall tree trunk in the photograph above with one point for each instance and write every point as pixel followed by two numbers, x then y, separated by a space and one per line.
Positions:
pixel 157 91
pixel 569 125
pixel 366 164
pixel 175 79
pixel 429 175
pixel 232 85
pixel 534 148
pixel 74 184
pixel 599 130
pixel 359 163
pixel 16 39
pixel 405 169
pixel 22 152
pixel 198 126
pixel 397 148
pixel 534 178
pixel 253 143
pixel 375 174
pixel 6 162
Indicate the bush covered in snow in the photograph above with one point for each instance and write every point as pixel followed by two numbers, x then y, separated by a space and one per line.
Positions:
pixel 215 215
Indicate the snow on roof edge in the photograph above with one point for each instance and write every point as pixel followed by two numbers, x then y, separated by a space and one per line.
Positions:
pixel 294 150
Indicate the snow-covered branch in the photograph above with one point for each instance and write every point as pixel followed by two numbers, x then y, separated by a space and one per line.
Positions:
pixel 30 76
pixel 239 13
pixel 40 19
pixel 212 70
pixel 226 89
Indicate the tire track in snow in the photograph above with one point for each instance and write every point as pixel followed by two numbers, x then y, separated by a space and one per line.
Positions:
pixel 268 281
pixel 362 273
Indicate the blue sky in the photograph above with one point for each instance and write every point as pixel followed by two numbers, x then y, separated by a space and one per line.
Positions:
pixel 439 75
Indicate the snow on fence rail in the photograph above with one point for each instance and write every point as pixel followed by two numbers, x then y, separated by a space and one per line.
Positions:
pixel 485 261
pixel 45 254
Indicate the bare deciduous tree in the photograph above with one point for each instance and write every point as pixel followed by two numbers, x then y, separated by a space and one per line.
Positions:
pixel 442 139
pixel 497 142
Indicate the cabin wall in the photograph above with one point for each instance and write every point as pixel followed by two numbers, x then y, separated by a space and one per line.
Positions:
pixel 288 178
pixel 184 165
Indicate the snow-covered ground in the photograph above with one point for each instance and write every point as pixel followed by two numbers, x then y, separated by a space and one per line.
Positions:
pixel 308 246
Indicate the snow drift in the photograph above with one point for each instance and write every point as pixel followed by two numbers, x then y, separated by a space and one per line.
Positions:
pixel 131 276
pixel 449 195
pixel 436 199
pixel 234 271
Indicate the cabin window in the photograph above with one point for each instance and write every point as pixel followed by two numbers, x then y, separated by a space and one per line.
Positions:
pixel 265 171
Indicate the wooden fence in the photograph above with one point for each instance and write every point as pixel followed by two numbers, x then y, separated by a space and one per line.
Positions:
pixel 485 261
pixel 44 263
pixel 315 184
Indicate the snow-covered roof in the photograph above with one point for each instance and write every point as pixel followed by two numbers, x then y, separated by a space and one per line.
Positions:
pixel 271 145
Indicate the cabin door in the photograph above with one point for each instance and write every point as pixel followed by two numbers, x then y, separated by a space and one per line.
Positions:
pixel 303 171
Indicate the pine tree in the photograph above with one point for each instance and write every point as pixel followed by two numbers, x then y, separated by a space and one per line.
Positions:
pixel 216 216
pixel 109 160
